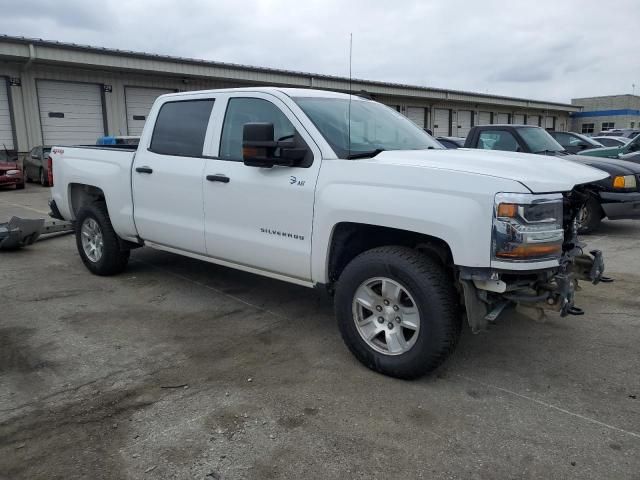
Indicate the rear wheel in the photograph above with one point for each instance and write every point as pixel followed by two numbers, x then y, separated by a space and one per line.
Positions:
pixel 590 216
pixel 97 242
pixel 43 178
pixel 397 311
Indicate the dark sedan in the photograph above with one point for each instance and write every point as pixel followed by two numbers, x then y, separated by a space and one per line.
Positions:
pixel 574 142
pixel 35 165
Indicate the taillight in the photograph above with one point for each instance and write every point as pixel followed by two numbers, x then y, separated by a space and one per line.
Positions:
pixel 50 171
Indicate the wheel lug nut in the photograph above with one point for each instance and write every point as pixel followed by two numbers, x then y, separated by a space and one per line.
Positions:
pixel 379 308
pixel 386 302
pixel 380 320
pixel 396 308
pixel 398 319
pixel 390 325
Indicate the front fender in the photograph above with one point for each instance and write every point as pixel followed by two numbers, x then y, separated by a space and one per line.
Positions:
pixel 456 207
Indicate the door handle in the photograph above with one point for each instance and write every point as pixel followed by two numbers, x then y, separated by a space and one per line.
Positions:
pixel 218 178
pixel 144 170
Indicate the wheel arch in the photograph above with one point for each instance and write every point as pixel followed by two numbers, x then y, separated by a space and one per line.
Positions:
pixel 350 239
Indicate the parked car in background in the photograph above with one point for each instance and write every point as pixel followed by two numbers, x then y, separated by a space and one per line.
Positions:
pixel 616 197
pixel 628 151
pixel 451 142
pixel 36 168
pixel 574 142
pixel 612 141
pixel 620 132
pixel 10 171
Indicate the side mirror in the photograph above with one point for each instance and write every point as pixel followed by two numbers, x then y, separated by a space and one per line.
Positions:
pixel 260 149
pixel 35 156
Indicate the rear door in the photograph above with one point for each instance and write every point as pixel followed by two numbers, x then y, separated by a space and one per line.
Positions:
pixel 259 217
pixel 70 113
pixel 168 174
pixel 139 101
pixel 416 115
pixel 464 123
pixel 441 122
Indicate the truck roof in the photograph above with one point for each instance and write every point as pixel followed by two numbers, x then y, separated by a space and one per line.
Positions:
pixel 291 92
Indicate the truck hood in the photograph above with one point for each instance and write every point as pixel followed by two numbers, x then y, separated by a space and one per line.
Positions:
pixel 539 173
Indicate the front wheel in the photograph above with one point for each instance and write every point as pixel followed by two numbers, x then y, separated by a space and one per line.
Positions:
pixel 398 311
pixel 97 242
pixel 590 216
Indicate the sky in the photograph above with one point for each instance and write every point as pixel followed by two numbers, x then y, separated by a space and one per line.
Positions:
pixel 539 49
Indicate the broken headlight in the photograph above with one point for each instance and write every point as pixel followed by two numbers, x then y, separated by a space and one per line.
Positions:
pixel 527 227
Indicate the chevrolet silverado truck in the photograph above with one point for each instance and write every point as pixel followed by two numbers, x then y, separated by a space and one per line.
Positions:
pixel 329 190
pixel 616 197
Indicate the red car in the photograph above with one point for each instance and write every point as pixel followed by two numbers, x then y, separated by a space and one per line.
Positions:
pixel 10 171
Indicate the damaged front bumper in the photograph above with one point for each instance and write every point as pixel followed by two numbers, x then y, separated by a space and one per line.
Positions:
pixel 488 292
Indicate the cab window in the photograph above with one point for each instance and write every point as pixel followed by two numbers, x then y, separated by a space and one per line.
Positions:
pixel 249 110
pixel 498 140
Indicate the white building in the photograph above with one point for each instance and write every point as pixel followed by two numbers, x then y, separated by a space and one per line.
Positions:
pixel 60 93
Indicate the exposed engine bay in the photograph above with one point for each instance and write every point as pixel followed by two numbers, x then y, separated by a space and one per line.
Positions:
pixel 488 292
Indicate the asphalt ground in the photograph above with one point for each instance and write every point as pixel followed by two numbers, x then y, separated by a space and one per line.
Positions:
pixel 184 369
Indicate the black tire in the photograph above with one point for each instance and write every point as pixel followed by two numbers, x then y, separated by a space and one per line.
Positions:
pixel 20 186
pixel 432 288
pixel 114 259
pixel 26 175
pixel 44 181
pixel 592 217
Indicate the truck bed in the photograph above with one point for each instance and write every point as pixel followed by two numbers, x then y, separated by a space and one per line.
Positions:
pixel 102 167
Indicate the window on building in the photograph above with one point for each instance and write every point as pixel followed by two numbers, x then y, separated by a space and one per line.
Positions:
pixel 588 127
pixel 250 110
pixel 608 125
pixel 633 124
pixel 181 127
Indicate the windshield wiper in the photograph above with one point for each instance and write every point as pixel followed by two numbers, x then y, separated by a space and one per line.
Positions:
pixel 552 152
pixel 369 154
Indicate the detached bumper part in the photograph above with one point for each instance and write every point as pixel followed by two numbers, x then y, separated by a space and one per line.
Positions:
pixel 20 232
pixel 486 296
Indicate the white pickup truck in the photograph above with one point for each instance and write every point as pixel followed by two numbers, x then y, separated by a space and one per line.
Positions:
pixel 325 189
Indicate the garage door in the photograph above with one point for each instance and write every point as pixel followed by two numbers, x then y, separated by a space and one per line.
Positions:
pixel 441 119
pixel 416 115
pixel 70 113
pixel 518 119
pixel 464 122
pixel 533 120
pixel 484 118
pixel 502 118
pixel 6 130
pixel 139 102
pixel 549 122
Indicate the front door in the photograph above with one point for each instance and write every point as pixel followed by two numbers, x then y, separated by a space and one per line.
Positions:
pixel 168 176
pixel 259 217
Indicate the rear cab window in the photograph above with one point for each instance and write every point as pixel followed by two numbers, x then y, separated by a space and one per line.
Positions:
pixel 498 140
pixel 181 127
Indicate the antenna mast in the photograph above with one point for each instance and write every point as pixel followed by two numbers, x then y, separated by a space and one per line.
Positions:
pixel 350 90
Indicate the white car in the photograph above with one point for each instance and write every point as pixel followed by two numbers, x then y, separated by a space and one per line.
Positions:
pixel 328 190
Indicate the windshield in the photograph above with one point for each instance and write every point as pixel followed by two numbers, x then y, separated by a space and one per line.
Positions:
pixel 374 127
pixel 539 140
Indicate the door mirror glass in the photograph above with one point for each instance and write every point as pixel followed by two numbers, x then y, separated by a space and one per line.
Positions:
pixel 260 149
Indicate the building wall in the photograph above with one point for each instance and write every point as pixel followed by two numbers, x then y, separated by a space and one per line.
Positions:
pixel 623 111
pixel 24 98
